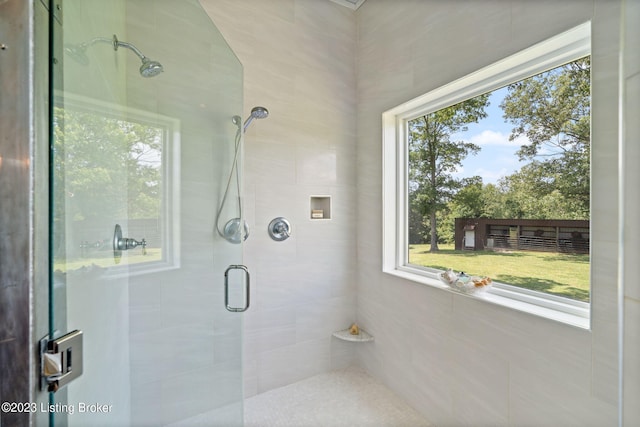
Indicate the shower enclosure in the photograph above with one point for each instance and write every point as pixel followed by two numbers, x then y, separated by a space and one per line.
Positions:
pixel 143 99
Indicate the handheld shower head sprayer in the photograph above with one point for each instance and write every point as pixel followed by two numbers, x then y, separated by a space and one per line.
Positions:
pixel 259 112
pixel 236 229
pixel 256 113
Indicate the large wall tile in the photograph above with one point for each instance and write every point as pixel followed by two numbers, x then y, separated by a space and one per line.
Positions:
pixel 472 362
pixel 299 61
pixel 631 381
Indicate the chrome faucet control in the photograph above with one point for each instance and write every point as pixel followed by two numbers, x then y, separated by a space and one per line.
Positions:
pixel 279 229
pixel 125 243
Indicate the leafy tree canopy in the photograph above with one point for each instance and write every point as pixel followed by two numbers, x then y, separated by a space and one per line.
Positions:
pixel 434 157
pixel 552 110
pixel 105 167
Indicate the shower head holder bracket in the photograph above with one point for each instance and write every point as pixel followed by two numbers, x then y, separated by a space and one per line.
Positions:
pixel 233 232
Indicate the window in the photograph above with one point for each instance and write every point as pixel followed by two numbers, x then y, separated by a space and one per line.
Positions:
pixel 128 175
pixel 490 175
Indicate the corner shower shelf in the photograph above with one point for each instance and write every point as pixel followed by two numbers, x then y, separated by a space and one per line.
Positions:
pixel 345 335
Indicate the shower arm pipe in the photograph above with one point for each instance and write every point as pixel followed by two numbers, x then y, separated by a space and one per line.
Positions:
pixel 97 40
pixel 113 41
pixel 117 43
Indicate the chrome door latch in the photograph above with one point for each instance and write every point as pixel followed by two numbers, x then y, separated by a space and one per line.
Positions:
pixel 60 360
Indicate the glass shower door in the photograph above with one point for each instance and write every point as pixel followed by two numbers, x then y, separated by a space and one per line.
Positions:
pixel 145 132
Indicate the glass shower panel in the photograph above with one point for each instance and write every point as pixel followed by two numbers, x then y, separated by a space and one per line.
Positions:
pixel 144 139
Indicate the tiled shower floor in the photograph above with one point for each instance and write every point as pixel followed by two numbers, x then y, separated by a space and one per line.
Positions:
pixel 346 398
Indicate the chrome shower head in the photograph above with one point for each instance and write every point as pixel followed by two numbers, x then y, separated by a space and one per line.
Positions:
pixel 256 113
pixel 78 52
pixel 259 112
pixel 150 68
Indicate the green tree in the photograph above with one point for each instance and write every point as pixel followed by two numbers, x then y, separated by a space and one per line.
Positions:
pixel 552 110
pixel 532 193
pixel 434 157
pixel 494 200
pixel 469 201
pixel 105 167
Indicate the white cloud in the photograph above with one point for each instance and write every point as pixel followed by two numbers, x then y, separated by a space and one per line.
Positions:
pixel 493 168
pixel 490 137
pixel 491 176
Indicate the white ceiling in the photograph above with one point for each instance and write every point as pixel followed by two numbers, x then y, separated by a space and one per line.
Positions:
pixel 351 4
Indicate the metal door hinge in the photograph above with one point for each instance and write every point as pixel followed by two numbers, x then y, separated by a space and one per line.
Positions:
pixel 60 360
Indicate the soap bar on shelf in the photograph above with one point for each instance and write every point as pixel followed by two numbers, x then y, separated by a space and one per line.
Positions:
pixel 346 335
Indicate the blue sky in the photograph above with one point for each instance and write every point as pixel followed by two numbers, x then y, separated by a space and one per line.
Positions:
pixel 497 156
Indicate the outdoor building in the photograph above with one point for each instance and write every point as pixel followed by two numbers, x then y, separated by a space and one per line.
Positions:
pixel 548 235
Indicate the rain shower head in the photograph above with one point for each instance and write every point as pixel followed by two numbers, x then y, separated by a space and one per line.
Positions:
pixel 149 68
pixel 256 113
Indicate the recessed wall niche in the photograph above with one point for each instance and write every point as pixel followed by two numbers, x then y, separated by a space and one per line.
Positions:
pixel 320 207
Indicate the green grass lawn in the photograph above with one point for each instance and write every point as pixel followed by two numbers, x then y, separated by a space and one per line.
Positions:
pixel 559 274
pixel 105 259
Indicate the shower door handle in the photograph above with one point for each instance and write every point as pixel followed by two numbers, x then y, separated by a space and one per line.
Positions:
pixel 246 288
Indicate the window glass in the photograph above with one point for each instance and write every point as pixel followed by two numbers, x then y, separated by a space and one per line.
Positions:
pixel 498 185
pixel 114 167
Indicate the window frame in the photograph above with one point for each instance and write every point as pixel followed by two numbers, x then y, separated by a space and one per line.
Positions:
pixel 548 54
pixel 170 171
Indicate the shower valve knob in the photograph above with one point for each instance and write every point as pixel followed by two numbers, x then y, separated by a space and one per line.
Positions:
pixel 279 229
pixel 125 243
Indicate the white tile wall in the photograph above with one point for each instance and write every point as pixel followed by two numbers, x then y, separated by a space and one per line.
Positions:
pixel 299 62
pixel 631 86
pixel 459 361
pixel 181 337
pixel 473 363
pixel 605 56
pixel 326 73
pixel 631 366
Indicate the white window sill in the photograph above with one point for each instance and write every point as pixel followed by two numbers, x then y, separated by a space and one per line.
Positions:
pixel 559 309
